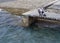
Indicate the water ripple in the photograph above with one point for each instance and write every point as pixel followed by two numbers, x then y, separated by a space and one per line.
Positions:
pixel 10 32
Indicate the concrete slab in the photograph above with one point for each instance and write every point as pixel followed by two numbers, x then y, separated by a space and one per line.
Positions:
pixel 27 4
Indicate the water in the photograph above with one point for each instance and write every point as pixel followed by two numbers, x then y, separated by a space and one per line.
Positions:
pixel 11 32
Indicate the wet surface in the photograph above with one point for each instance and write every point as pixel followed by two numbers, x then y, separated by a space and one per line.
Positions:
pixel 11 32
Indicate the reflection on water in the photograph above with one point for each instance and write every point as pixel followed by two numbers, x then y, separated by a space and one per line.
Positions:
pixel 10 32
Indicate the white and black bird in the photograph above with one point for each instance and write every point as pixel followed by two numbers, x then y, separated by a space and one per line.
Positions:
pixel 40 12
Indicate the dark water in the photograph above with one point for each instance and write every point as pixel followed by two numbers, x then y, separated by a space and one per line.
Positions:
pixel 11 32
